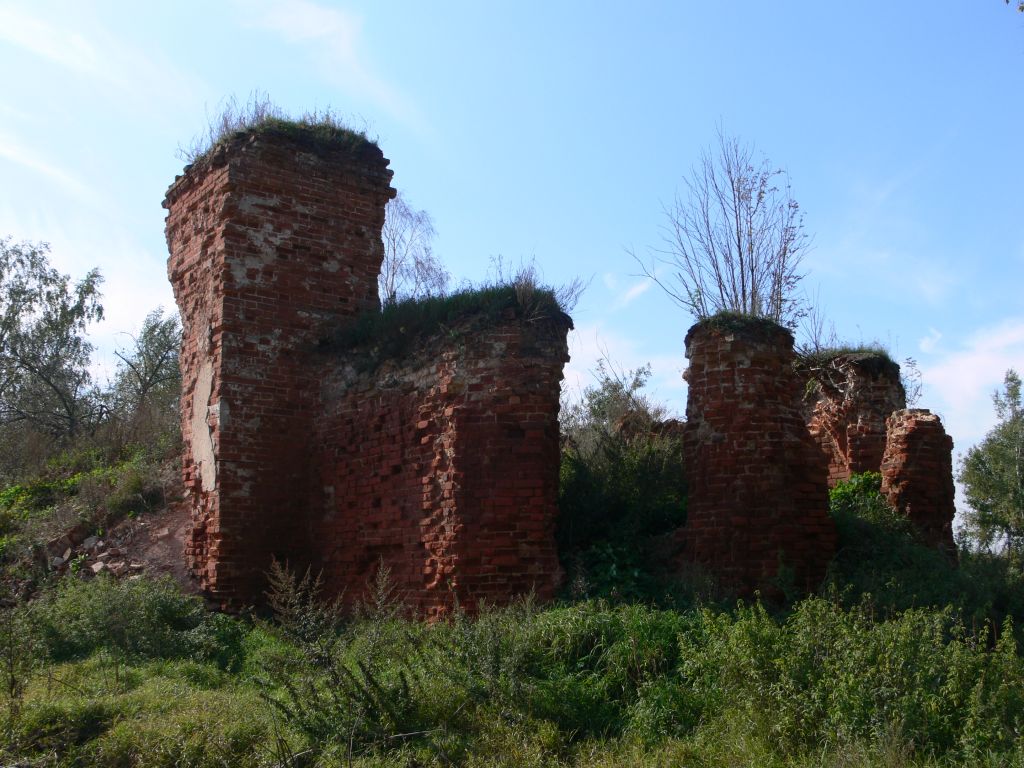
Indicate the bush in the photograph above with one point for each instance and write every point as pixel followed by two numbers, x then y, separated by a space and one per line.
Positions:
pixel 133 619
pixel 621 488
pixel 879 556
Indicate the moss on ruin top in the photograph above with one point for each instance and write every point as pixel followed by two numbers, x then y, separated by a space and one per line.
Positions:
pixel 737 322
pixel 872 359
pixel 318 131
pixel 320 138
pixel 397 330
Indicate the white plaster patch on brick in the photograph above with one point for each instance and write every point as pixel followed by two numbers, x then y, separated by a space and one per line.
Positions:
pixel 255 203
pixel 202 439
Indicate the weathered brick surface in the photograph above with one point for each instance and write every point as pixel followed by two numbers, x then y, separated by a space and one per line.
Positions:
pixel 270 244
pixel 917 475
pixel 444 466
pixel 855 395
pixel 757 480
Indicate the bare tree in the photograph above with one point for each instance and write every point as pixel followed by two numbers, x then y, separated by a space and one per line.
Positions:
pixel 735 241
pixel 410 268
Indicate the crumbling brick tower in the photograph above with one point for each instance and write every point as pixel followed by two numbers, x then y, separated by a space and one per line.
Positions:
pixel 757 512
pixel 856 392
pixel 440 463
pixel 273 238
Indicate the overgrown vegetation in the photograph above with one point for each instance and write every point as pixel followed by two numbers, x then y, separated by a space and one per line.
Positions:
pixel 730 321
pixel 319 131
pixel 622 491
pixel 400 325
pixel 134 674
pixel 75 453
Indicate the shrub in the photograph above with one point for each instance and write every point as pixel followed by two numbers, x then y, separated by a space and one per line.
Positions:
pixel 132 619
pixel 880 556
pixel 621 488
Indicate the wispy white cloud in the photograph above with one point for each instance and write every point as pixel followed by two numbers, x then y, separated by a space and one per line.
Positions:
pixel 80 43
pixel 66 47
pixel 333 36
pixel 591 343
pixel 633 293
pixel 929 343
pixel 959 384
pixel 12 150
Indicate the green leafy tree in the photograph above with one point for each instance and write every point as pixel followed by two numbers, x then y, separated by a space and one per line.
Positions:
pixel 621 486
pixel 45 385
pixel 992 473
pixel 148 383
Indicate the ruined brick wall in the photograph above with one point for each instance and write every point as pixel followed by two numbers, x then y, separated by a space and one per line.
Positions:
pixel 443 466
pixel 917 475
pixel 757 480
pixel 271 241
pixel 444 469
pixel 855 395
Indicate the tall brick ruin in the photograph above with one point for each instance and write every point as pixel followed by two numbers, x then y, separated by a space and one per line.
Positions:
pixel 757 512
pixel 917 475
pixel 856 392
pixel 441 466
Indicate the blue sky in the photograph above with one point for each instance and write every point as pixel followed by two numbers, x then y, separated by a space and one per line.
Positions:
pixel 556 131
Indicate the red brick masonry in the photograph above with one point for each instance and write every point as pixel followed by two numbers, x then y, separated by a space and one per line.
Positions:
pixel 917 475
pixel 856 394
pixel 443 467
pixel 758 501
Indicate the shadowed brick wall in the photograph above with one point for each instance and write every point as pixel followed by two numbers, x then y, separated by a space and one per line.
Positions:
pixel 451 480
pixel 757 480
pixel 917 475
pixel 443 467
pixel 856 394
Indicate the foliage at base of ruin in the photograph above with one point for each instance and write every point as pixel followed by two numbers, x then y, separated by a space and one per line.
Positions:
pixel 882 558
pixel 622 490
pixel 588 684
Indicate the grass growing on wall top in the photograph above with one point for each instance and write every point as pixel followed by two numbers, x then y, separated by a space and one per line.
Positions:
pixel 867 355
pixel 738 322
pixel 393 332
pixel 319 130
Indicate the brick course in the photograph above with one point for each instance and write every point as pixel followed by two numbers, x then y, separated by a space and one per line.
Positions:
pixel 452 482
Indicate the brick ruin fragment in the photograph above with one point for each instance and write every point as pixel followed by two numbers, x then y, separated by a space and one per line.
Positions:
pixel 757 513
pixel 917 475
pixel 442 467
pixel 856 392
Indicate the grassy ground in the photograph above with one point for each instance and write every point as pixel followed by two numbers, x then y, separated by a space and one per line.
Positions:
pixel 903 660
pixel 136 674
